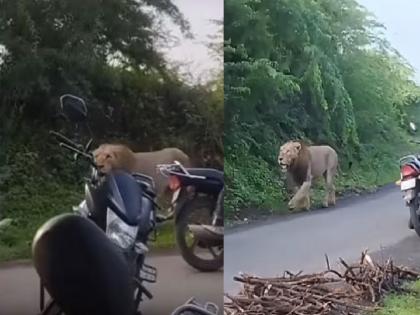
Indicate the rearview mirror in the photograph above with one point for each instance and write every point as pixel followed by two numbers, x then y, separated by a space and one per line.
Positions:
pixel 74 108
pixel 413 126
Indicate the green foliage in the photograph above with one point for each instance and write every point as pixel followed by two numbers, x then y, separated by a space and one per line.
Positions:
pixel 106 52
pixel 251 182
pixel 406 304
pixel 314 70
pixel 29 197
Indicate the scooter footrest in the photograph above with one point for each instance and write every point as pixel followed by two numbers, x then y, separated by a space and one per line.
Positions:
pixel 148 273
pixel 211 307
pixel 142 288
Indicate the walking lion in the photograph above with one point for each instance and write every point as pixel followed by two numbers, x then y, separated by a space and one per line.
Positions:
pixel 118 156
pixel 303 164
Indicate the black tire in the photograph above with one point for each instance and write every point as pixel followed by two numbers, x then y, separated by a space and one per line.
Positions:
pixel 410 224
pixel 201 207
pixel 415 219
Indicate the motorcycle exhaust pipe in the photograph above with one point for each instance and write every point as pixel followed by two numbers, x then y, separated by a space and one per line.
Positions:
pixel 82 270
pixel 208 235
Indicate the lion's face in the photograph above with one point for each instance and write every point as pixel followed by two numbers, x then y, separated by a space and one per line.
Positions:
pixel 105 158
pixel 288 153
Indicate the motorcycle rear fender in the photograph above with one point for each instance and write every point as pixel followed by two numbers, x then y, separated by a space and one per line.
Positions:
pixel 183 198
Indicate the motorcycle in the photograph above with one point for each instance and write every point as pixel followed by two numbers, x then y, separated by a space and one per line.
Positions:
pixel 410 185
pixel 92 261
pixel 197 205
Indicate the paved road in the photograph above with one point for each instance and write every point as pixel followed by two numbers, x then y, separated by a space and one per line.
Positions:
pixel 377 222
pixel 177 282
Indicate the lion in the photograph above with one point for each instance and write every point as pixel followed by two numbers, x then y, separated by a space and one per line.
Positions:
pixel 303 164
pixel 117 156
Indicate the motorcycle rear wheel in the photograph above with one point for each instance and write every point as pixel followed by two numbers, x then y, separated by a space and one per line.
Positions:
pixel 410 224
pixel 414 217
pixel 198 210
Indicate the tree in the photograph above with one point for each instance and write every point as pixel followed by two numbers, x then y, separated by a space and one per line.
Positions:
pixel 318 70
pixel 62 46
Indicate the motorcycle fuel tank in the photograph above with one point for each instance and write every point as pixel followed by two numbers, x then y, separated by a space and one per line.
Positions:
pixel 81 269
pixel 124 195
pixel 97 201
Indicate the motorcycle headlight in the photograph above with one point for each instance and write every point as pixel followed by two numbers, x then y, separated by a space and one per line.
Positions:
pixel 119 232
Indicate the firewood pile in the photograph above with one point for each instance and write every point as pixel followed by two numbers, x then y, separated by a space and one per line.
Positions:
pixel 356 290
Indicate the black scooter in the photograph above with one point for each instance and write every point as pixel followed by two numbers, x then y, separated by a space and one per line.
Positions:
pixel 93 261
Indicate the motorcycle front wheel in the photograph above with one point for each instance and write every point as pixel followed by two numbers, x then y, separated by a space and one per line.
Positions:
pixel 414 217
pixel 197 211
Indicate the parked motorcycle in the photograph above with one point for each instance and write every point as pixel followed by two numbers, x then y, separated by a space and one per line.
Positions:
pixel 197 204
pixel 410 185
pixel 93 261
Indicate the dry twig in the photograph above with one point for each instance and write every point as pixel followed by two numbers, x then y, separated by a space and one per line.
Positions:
pixel 358 289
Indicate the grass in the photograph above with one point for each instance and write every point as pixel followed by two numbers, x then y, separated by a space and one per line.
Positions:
pixel 165 236
pixel 406 304
pixel 31 205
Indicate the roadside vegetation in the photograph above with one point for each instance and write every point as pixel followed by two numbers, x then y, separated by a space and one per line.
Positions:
pixel 49 48
pixel 314 70
pixel 407 304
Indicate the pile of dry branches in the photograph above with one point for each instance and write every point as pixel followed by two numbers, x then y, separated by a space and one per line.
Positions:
pixel 354 291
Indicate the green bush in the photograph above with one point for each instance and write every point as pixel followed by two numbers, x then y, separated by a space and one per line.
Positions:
pixel 30 206
pixel 250 182
pixel 29 197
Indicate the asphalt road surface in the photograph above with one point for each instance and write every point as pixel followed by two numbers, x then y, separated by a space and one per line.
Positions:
pixel 177 282
pixel 378 222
